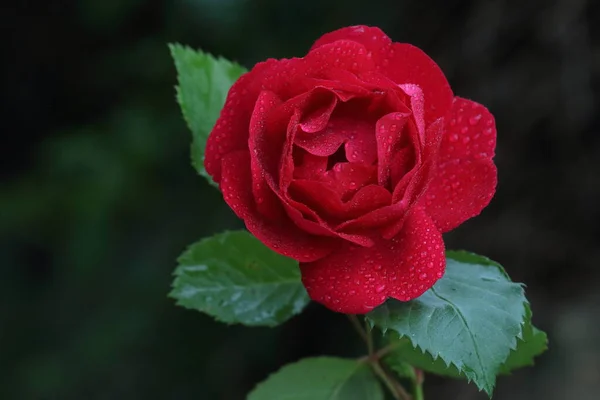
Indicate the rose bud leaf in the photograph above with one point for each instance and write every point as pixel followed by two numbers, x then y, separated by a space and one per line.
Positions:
pixel 471 319
pixel 236 279
pixel 321 378
pixel 203 83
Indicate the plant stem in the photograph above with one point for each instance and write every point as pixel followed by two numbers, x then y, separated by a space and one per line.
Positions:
pixel 394 387
pixel 384 351
pixel 369 339
pixel 418 392
pixel 358 327
pixel 373 358
pixel 418 389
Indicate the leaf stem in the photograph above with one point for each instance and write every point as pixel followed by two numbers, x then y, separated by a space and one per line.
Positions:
pixel 384 351
pixel 370 346
pixel 358 327
pixel 394 386
pixel 418 392
pixel 418 389
pixel 366 333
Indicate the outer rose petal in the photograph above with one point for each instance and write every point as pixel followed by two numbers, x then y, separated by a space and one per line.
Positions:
pixel 466 177
pixel 470 132
pixel 282 236
pixel 354 279
pixel 459 191
pixel 401 62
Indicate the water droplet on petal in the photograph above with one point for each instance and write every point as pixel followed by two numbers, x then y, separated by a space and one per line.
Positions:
pixel 380 288
pixel 475 119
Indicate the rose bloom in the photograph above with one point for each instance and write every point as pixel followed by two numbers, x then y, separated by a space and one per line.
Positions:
pixel 354 160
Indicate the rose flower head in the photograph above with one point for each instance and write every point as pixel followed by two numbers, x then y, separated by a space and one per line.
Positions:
pixel 354 160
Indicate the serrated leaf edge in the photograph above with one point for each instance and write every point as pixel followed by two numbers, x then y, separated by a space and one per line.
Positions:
pixel 512 346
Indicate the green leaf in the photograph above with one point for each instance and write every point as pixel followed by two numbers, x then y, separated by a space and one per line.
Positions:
pixel 533 343
pixel 203 85
pixel 236 279
pixel 321 378
pixel 406 354
pixel 400 366
pixel 470 319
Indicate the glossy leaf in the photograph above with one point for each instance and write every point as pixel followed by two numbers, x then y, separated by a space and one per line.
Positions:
pixel 533 343
pixel 470 320
pixel 203 85
pixel 321 378
pixel 236 279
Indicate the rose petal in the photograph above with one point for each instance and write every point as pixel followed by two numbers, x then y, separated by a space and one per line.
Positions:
pixel 358 135
pixel 401 62
pixel 470 132
pixel 354 279
pixel 346 178
pixel 466 177
pixel 329 206
pixel 389 132
pixel 459 191
pixel 308 166
pixel 279 76
pixel 266 159
pixel 282 235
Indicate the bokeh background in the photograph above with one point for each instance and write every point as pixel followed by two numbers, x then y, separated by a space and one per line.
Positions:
pixel 98 197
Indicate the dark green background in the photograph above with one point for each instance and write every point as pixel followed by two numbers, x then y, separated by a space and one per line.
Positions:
pixel 98 197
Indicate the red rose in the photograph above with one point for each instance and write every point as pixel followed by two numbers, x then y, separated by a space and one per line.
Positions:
pixel 354 160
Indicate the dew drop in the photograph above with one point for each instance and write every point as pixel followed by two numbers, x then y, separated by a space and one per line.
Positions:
pixel 453 137
pixel 423 276
pixel 380 288
pixel 475 119
pixel 464 130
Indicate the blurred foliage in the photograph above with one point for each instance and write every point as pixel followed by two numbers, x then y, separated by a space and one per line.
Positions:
pixel 98 197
